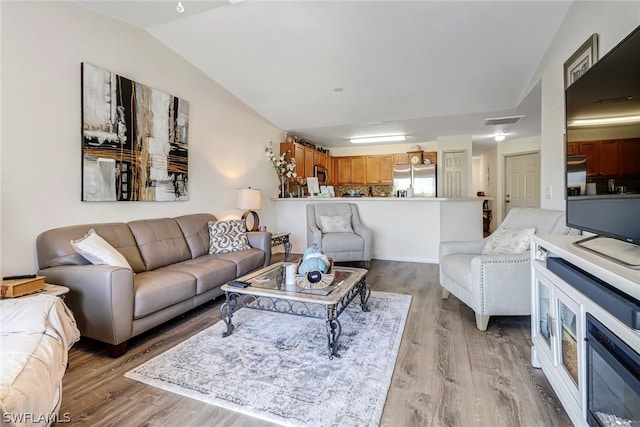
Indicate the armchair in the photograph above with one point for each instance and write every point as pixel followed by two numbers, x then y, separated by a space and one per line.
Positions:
pixel 337 229
pixel 495 284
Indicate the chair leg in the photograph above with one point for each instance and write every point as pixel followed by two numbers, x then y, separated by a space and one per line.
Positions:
pixel 445 293
pixel 482 322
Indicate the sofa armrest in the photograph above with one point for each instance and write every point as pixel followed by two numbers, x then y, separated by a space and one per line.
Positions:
pixel 501 284
pixel 261 240
pixel 101 298
pixel 462 247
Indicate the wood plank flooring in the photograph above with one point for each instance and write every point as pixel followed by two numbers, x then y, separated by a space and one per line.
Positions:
pixel 448 373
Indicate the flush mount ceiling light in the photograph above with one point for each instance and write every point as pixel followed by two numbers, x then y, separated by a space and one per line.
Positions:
pixel 500 137
pixel 180 7
pixel 616 120
pixel 386 138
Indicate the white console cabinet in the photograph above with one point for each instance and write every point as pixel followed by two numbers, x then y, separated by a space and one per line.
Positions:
pixel 558 318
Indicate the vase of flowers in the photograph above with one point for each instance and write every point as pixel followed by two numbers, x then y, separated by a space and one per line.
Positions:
pixel 285 169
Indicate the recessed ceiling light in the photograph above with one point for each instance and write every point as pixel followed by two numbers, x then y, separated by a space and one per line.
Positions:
pixel 500 137
pixel 180 7
pixel 384 138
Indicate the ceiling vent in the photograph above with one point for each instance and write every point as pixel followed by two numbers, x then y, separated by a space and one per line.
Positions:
pixel 501 121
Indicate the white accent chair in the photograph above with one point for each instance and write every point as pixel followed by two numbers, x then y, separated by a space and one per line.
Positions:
pixel 497 284
pixel 341 246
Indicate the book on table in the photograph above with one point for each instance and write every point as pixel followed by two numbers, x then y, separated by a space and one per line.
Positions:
pixel 18 287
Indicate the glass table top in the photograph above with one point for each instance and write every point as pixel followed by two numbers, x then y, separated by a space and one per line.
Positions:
pixel 274 278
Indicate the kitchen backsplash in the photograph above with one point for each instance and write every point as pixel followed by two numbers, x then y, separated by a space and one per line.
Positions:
pixel 376 190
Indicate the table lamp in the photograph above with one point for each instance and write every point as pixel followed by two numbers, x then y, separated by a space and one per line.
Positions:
pixel 250 199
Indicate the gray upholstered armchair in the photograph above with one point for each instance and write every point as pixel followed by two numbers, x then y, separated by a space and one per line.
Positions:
pixel 337 229
pixel 495 284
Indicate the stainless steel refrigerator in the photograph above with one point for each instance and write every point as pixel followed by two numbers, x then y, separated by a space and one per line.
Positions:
pixel 421 178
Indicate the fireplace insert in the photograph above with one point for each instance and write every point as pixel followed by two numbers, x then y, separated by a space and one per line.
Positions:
pixel 613 378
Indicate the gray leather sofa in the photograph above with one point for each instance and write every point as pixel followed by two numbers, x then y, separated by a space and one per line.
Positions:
pixel 173 272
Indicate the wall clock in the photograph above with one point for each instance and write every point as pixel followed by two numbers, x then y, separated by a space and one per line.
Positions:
pixel 415 157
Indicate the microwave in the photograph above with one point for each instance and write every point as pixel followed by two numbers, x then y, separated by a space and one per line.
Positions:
pixel 320 172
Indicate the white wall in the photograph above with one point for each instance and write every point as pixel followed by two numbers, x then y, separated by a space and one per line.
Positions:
pixel 612 21
pixel 43 44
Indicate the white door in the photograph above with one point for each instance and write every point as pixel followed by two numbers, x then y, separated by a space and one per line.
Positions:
pixel 455 174
pixel 522 181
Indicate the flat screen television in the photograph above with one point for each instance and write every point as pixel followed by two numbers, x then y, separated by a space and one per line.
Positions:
pixel 602 110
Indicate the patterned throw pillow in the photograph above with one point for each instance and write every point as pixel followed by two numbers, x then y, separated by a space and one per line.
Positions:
pixel 227 236
pixel 506 241
pixel 336 224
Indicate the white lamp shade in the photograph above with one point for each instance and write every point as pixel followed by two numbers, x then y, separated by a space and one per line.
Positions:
pixel 249 198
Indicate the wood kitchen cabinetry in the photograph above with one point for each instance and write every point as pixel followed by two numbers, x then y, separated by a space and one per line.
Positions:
pixel 306 158
pixel 343 165
pixel 374 168
pixel 629 155
pixel 379 169
pixel 603 157
pixel 357 169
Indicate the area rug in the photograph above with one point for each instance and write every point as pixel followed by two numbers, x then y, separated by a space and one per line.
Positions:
pixel 276 366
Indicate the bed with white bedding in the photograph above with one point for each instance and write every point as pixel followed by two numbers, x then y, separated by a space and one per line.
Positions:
pixel 36 333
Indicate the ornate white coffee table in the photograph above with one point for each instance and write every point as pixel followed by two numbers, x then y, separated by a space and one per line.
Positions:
pixel 265 290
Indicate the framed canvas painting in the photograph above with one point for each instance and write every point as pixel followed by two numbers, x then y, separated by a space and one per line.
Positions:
pixel 134 140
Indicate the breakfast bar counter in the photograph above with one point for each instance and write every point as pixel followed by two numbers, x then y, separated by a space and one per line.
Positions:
pixel 402 229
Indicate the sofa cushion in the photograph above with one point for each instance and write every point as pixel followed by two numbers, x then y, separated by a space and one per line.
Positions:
pixel 227 236
pixel 195 228
pixel 160 241
pixel 158 289
pixel 245 261
pixel 210 272
pixel 98 251
pixel 343 242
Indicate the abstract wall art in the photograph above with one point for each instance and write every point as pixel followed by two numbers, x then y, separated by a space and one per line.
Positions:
pixel 134 140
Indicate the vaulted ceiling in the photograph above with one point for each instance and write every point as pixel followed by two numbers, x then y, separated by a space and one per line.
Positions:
pixel 332 70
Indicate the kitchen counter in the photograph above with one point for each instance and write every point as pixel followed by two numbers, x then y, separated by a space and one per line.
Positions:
pixel 403 228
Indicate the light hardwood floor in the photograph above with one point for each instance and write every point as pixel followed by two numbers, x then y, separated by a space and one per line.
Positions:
pixel 448 373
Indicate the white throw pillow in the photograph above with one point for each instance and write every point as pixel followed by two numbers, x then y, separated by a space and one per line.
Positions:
pixel 98 251
pixel 336 224
pixel 228 236
pixel 507 241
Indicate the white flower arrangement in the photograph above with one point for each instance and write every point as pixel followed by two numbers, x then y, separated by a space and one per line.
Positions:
pixel 283 168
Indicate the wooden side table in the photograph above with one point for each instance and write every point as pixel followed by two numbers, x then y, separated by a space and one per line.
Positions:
pixel 282 239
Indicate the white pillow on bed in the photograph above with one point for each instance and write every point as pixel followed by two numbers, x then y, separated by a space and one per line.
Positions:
pixel 98 251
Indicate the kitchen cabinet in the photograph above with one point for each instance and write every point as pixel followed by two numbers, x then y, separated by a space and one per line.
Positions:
pixel 602 157
pixel 572 149
pixel 432 156
pixel 379 169
pixel 629 155
pixel 309 153
pixel 357 169
pixel 344 170
pixel 401 159
pixel 298 153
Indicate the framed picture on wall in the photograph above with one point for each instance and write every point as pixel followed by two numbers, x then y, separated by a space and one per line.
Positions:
pixel 134 140
pixel 581 60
